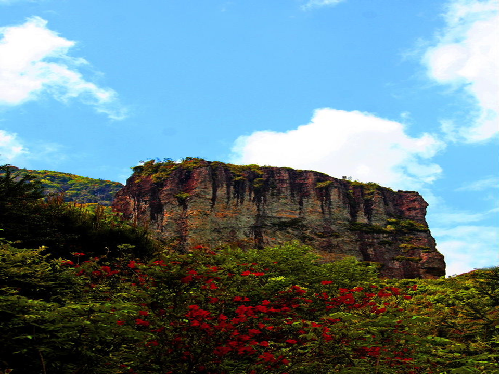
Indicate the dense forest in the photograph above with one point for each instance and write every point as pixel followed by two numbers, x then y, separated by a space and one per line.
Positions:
pixel 83 291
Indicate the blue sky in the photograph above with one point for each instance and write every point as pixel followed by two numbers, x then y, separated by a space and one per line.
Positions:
pixel 401 93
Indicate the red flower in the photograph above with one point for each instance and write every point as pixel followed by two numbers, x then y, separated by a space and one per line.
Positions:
pixel 285 361
pixel 222 350
pixel 67 263
pixel 268 357
pixel 192 272
pixel 264 343
pixel 290 341
pixel 247 349
pixel 395 291
pixel 141 322
pixel 131 264
pixel 187 279
pixel 245 273
pixel 120 322
pixel 383 294
pixel 260 308
pixel 407 297
pixel 78 254
pixel 143 313
pixel 326 282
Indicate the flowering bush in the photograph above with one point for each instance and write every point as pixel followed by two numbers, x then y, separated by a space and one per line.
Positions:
pixel 258 311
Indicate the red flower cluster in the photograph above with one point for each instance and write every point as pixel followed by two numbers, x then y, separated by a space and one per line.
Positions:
pixel 248 272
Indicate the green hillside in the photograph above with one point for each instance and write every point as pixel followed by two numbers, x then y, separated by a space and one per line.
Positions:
pixel 75 188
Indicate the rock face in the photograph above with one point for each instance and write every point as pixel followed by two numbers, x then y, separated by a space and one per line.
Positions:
pixel 198 202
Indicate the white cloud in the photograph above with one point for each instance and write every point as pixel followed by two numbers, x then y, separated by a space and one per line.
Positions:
pixel 11 147
pixel 453 218
pixel 8 2
pixel 483 184
pixel 466 247
pixel 465 56
pixel 34 61
pixel 320 3
pixel 16 151
pixel 342 143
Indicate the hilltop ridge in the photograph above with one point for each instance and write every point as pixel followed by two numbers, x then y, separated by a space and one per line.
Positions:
pixel 75 188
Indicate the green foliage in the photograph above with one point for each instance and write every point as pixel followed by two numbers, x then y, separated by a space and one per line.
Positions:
pixel 393 225
pixel 410 246
pixel 463 320
pixel 74 188
pixel 160 170
pixel 266 311
pixel 64 228
pixel 182 197
pixel 324 184
pixel 367 228
pixel 49 320
pixel 405 225
pixel 17 188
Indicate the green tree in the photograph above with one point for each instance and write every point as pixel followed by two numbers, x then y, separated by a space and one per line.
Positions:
pixel 17 187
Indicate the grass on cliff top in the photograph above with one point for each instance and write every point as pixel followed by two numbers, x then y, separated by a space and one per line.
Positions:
pixel 159 170
pixel 162 169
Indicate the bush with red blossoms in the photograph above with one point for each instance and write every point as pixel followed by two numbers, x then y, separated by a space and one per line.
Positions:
pixel 274 310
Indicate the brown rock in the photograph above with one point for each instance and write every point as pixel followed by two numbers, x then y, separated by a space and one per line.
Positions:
pixel 197 202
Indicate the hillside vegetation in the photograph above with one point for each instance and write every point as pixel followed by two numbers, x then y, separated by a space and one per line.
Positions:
pixel 123 303
pixel 74 188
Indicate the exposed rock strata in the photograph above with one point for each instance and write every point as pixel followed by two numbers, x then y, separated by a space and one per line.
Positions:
pixel 211 203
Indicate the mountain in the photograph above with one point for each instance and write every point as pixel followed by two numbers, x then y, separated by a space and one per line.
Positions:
pixel 197 202
pixel 75 188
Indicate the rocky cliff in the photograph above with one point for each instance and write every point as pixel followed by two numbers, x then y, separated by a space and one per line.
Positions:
pixel 198 202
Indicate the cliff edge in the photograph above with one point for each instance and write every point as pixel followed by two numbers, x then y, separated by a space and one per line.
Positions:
pixel 198 202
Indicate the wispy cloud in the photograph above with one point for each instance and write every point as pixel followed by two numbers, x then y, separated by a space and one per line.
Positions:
pixel 16 151
pixel 483 184
pixel 10 147
pixel 9 2
pixel 34 62
pixel 320 3
pixel 465 57
pixel 467 246
pixel 343 143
